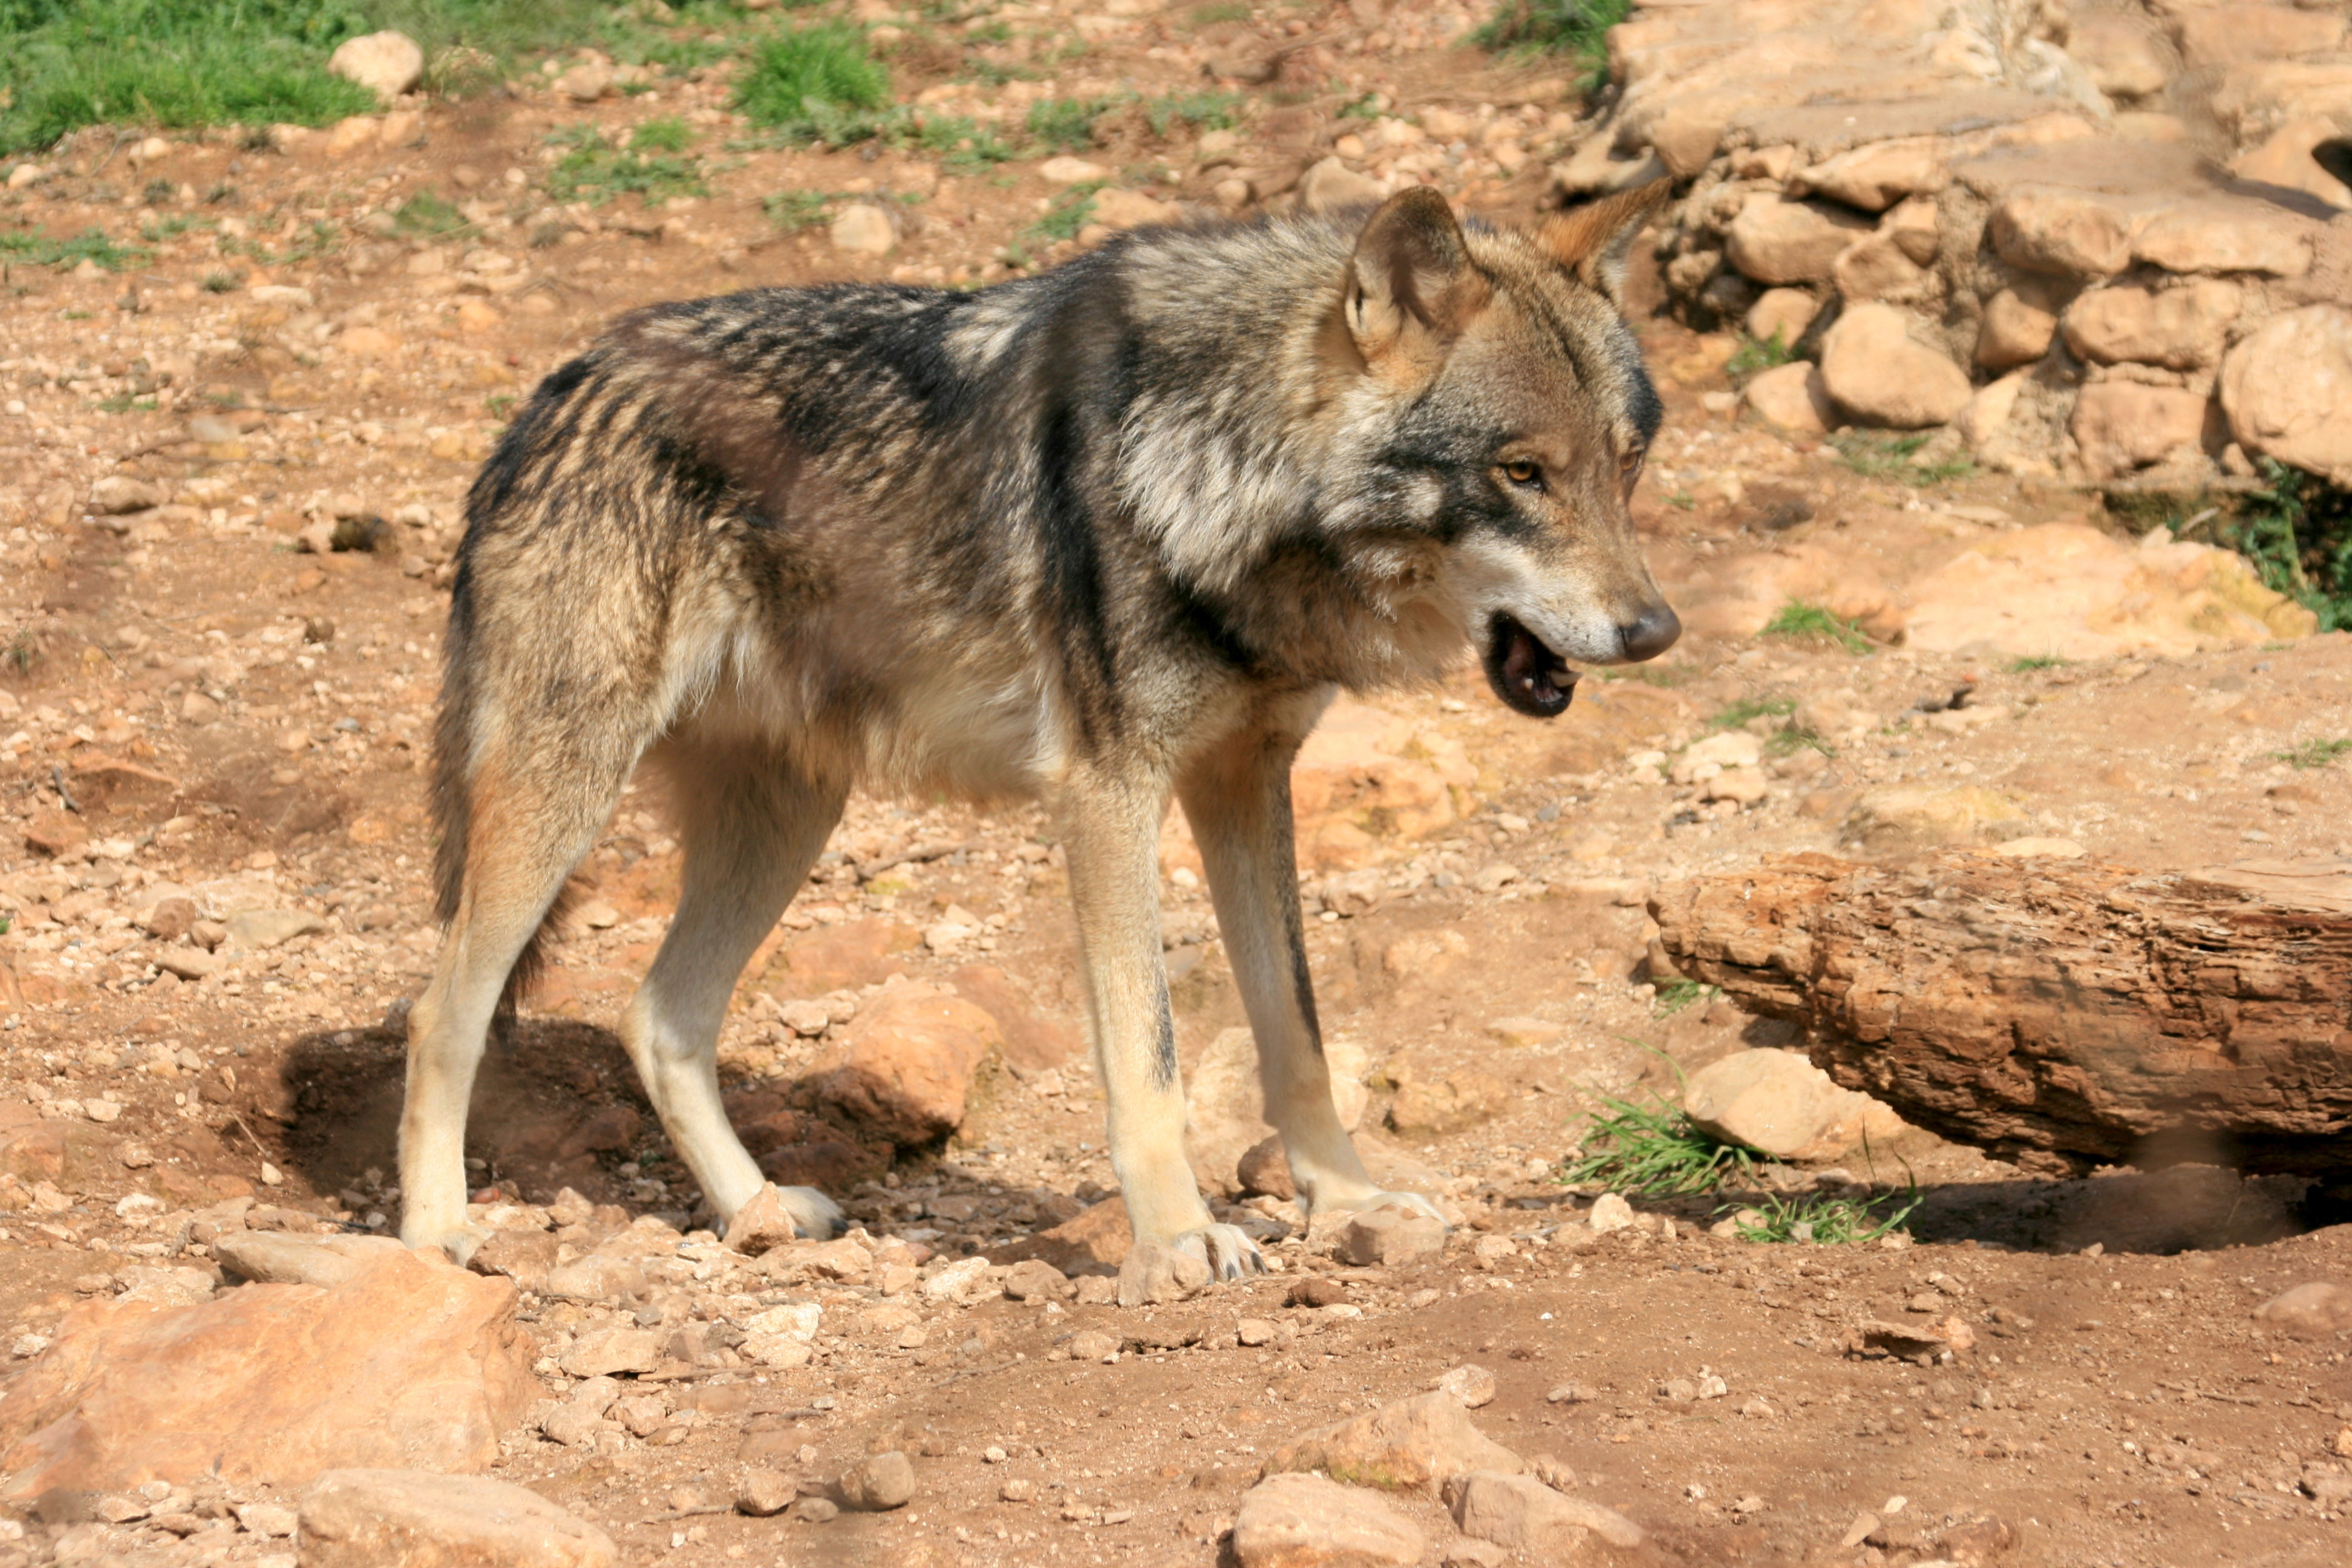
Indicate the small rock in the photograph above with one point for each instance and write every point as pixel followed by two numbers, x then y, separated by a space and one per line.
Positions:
pixel 909 1063
pixel 1415 1442
pixel 1777 1102
pixel 815 1511
pixel 965 1280
pixel 1116 208
pixel 1610 1212
pixel 1570 1393
pixel 1064 170
pixel 882 1482
pixel 260 930
pixel 587 81
pixel 1530 1517
pixel 413 1519
pixel 1152 1274
pixel 763 1492
pixel 610 1350
pixel 2314 1309
pixel 119 493
pixel 1307 1522
pixel 2286 387
pixel 1264 1169
pixel 1332 186
pixel 762 1224
pixel 1018 1489
pixel 387 64
pixel 267 1518
pixel 1874 371
pixel 598 1276
pixel 525 1257
pixel 1791 399
pixel 1035 1279
pixel 276 1258
pixel 1254 1332
pixel 1092 1344
pixel 1784 242
pixel 861 228
pixel 1386 1237
pixel 1473 1385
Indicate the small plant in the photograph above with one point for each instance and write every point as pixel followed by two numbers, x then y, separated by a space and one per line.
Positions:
pixel 1799 622
pixel 960 143
pixel 499 404
pixel 1679 995
pixel 1068 214
pixel 2298 533
pixel 2033 661
pixel 595 171
pixel 1739 713
pixel 1820 1219
pixel 124 403
pixel 1788 740
pixel 429 214
pixel 157 192
pixel 1654 1150
pixel 1227 10
pixel 1755 356
pixel 219 282
pixel 819 82
pixel 2313 753
pixel 90 245
pixel 1891 457
pixel 1209 110
pixel 1065 123
pixel 1681 500
pixel 793 211
pixel 1579 28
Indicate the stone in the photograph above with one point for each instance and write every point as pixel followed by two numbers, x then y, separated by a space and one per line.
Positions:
pixel 1982 422
pixel 1782 313
pixel 1307 1522
pixel 1425 1106
pixel 1877 267
pixel 2179 328
pixel 1092 1344
pixel 1095 1241
pixel 2069 233
pixel 273 1258
pixel 2284 159
pixel 1473 1385
pixel 1117 208
pixel 2286 386
pixel 1034 1279
pixel 2318 1308
pixel 2120 52
pixel 412 1361
pixel 1386 1237
pixel 880 1483
pixel 2237 35
pixel 1522 1513
pixel 1877 175
pixel 1781 1104
pixel 861 228
pixel 1413 1442
pixel 168 918
pixel 2226 233
pixel 1792 399
pixel 258 931
pixel 763 1224
pixel 815 1511
pixel 2014 332
pixel 387 64
pixel 586 82
pixel 605 1352
pixel 117 493
pixel 598 1276
pixel 763 1493
pixel 1742 786
pixel 1330 186
pixel 907 1064
pixel 2121 426
pixel 414 1518
pixel 526 1256
pixel 1264 1168
pixel 1875 373
pixel 852 954
pixel 1899 819
pixel 1064 170
pixel 1152 1274
pixel 1610 1212
pixel 1782 242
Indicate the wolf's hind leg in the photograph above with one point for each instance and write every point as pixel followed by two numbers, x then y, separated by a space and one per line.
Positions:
pixel 522 838
pixel 1111 830
pixel 1238 802
pixel 753 824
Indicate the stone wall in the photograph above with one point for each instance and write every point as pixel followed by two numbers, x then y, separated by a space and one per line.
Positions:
pixel 2090 237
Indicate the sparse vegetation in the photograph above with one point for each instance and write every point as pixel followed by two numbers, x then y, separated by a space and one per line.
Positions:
pixel 819 82
pixel 1820 1219
pixel 793 211
pixel 1579 28
pixel 429 214
pixel 2297 532
pixel 1066 124
pixel 596 171
pixel 1755 356
pixel 1893 457
pixel 1068 214
pixel 2033 661
pixel 1737 715
pixel 90 245
pixel 2313 753
pixel 1652 1150
pixel 1799 622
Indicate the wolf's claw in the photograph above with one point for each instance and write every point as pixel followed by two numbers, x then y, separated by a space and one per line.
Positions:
pixel 1227 1250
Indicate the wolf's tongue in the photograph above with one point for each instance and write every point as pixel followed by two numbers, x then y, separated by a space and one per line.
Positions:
pixel 1526 674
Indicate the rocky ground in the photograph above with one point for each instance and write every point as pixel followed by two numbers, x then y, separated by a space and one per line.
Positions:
pixel 229 486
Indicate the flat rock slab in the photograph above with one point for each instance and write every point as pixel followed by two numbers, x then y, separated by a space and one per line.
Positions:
pixel 1307 1522
pixel 414 1518
pixel 1420 1442
pixel 411 1362
pixel 1524 1514
pixel 276 1258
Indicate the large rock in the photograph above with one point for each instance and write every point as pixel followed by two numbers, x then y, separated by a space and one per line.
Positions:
pixel 2226 233
pixel 276 1258
pixel 2015 330
pixel 414 1518
pixel 907 1064
pixel 2284 158
pixel 1420 1442
pixel 413 1361
pixel 2067 590
pixel 2317 1310
pixel 1095 1241
pixel 2068 233
pixel 1899 819
pixel 1778 1103
pixel 387 63
pixel 1873 370
pixel 2121 53
pixel 2121 426
pixel 1366 774
pixel 2235 35
pixel 1528 1517
pixel 1791 398
pixel 1307 1522
pixel 2287 390
pixel 2181 328
pixel 1776 241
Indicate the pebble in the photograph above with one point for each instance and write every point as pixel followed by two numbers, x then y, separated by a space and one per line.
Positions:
pixel 880 1483
pixel 763 1492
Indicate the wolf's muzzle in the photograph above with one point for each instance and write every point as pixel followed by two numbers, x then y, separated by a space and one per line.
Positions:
pixel 1527 676
pixel 1651 633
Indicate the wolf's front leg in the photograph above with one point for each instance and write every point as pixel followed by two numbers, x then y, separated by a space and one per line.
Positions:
pixel 1111 834
pixel 1238 802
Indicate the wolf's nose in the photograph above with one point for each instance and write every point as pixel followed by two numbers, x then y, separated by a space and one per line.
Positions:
pixel 1651 633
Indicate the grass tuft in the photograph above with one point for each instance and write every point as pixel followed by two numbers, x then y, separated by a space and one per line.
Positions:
pixel 2298 533
pixel 1654 1150
pixel 819 82
pixel 1892 457
pixel 1755 356
pixel 1820 1219
pixel 596 171
pixel 1066 124
pixel 2313 753
pixel 1737 714
pixel 1069 214
pixel 1676 995
pixel 90 245
pixel 1799 622
pixel 1579 28
pixel 793 211
pixel 2033 661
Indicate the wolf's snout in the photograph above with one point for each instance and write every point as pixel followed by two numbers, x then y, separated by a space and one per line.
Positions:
pixel 1651 633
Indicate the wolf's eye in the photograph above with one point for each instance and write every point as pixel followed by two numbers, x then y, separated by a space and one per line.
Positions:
pixel 1523 474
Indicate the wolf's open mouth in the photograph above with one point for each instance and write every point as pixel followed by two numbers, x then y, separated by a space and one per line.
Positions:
pixel 1527 676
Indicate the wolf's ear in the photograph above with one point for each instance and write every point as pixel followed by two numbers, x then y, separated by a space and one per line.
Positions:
pixel 1592 240
pixel 1410 288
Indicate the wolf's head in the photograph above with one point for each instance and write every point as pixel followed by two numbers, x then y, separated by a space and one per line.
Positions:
pixel 1501 414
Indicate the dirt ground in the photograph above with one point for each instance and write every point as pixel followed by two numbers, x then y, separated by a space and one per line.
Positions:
pixel 192 702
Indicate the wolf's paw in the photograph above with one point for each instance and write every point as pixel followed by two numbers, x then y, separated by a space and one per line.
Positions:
pixel 459 1240
pixel 1227 1249
pixel 813 1215
pixel 1411 1202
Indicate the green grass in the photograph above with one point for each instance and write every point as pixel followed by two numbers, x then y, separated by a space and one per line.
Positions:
pixel 1678 995
pixel 1799 622
pixel 1739 713
pixel 2298 533
pixel 959 141
pixel 1788 740
pixel 793 211
pixel 1755 356
pixel 819 82
pixel 429 214
pixel 1822 1220
pixel 2033 661
pixel 90 245
pixel 1654 1151
pixel 1204 110
pixel 1578 29
pixel 1066 124
pixel 1891 457
pixel 2313 753
pixel 1069 213
pixel 1227 10
pixel 595 169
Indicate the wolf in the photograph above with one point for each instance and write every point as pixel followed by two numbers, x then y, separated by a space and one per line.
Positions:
pixel 1098 537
